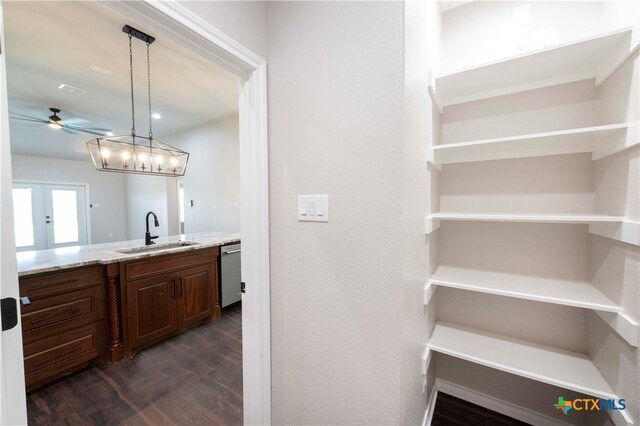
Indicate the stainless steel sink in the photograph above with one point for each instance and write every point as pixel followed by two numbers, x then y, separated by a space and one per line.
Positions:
pixel 157 247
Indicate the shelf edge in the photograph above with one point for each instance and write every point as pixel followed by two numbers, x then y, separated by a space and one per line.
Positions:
pixel 627 232
pixel 518 295
pixel 575 131
pixel 624 325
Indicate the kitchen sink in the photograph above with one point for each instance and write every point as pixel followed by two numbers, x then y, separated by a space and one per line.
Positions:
pixel 157 247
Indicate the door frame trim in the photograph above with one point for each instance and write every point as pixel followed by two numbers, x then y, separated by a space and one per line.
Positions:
pixel 172 20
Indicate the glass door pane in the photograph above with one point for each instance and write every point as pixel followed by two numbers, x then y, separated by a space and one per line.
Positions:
pixel 23 215
pixel 66 215
pixel 65 211
pixel 28 220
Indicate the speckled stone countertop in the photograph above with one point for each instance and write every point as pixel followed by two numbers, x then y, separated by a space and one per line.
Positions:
pixel 39 261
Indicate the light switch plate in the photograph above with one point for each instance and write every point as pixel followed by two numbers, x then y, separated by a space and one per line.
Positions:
pixel 313 208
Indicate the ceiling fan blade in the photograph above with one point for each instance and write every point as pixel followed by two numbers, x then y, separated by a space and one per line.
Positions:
pixel 96 129
pixel 81 129
pixel 75 121
pixel 35 120
pixel 35 117
pixel 68 130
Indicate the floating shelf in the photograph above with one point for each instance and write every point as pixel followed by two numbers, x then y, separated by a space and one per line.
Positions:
pixel 569 293
pixel 593 57
pixel 569 370
pixel 434 218
pixel 601 141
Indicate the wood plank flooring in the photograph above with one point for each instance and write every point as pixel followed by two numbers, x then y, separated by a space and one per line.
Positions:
pixel 452 411
pixel 194 378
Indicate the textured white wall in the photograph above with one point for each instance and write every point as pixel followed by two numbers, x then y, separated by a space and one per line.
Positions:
pixel 553 184
pixel 562 107
pixel 335 127
pixel 416 199
pixel 517 318
pixel 212 180
pixel 243 21
pixel 105 189
pixel 485 31
pixel 144 194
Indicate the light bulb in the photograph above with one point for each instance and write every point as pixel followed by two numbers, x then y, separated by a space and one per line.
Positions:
pixel 158 159
pixel 125 155
pixel 54 125
pixel 174 162
pixel 142 157
pixel 105 153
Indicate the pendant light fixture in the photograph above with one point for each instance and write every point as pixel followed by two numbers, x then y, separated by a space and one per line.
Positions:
pixel 134 153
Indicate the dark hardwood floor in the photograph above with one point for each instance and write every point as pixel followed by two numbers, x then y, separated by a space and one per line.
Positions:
pixel 452 411
pixel 193 378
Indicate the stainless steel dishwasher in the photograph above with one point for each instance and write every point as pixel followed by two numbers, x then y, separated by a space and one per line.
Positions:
pixel 230 274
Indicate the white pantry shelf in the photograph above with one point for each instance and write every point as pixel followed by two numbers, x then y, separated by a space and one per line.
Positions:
pixel 580 218
pixel 569 370
pixel 601 141
pixel 569 293
pixel 593 57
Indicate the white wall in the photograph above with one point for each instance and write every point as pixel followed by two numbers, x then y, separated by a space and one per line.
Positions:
pixel 108 221
pixel 562 107
pixel 243 21
pixel 485 31
pixel 144 194
pixel 421 22
pixel 212 180
pixel 335 127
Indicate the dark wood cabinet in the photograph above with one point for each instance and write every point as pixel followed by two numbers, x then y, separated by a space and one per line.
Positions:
pixel 195 300
pixel 76 316
pixel 63 327
pixel 151 309
pixel 166 294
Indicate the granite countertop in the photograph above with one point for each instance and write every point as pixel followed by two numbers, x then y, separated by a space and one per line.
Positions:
pixel 38 261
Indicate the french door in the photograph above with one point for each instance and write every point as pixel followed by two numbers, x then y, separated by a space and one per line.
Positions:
pixel 49 216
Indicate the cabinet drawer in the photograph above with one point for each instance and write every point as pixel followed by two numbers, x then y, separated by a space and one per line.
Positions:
pixel 163 264
pixel 50 315
pixel 61 353
pixel 50 283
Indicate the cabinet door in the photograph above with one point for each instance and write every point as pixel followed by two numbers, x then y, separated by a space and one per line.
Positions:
pixel 151 309
pixel 195 295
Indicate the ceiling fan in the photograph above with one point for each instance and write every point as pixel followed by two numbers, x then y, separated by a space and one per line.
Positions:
pixel 55 122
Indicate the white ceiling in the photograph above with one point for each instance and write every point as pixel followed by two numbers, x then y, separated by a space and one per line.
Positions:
pixel 49 43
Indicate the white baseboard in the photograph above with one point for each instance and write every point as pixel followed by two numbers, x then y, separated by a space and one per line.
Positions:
pixel 489 402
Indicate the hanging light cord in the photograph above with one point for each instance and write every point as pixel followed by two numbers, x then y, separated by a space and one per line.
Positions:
pixel 149 90
pixel 133 108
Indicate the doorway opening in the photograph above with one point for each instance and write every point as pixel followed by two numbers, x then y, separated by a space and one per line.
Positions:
pixel 178 24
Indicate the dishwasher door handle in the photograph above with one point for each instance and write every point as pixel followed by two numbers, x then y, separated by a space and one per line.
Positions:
pixel 232 251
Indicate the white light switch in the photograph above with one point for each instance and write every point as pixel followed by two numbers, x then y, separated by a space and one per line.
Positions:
pixel 313 208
